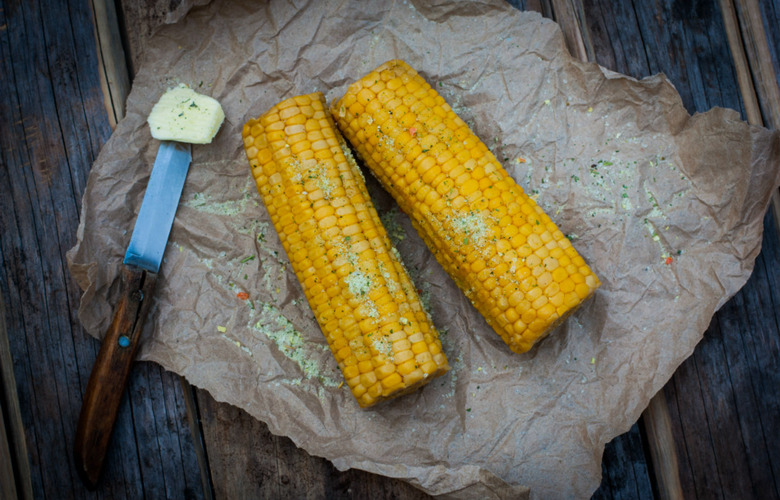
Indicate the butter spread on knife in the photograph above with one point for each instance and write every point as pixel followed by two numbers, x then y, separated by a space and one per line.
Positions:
pixel 183 115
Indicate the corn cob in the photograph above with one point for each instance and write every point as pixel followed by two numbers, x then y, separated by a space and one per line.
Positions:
pixel 352 276
pixel 502 250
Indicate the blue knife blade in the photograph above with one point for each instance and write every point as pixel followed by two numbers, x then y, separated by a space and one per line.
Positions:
pixel 158 208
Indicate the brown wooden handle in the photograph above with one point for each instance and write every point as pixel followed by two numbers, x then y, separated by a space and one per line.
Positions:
pixel 110 373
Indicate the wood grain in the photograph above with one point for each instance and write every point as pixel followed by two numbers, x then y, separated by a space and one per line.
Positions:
pixel 625 469
pixel 770 13
pixel 138 20
pixel 760 57
pixel 114 77
pixel 741 65
pixel 196 432
pixel 250 462
pixel 111 371
pixel 530 5
pixel 7 473
pixel 762 68
pixel 567 13
pixel 14 465
pixel 54 123
pixel 663 449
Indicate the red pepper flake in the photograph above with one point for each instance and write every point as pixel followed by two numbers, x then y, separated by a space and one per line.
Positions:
pixel 242 295
pixel 669 260
pixel 413 131
pixel 520 160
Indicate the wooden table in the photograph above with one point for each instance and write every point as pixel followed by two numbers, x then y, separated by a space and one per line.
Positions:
pixel 711 433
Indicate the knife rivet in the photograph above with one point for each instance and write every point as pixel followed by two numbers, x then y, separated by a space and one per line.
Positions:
pixel 138 295
pixel 124 341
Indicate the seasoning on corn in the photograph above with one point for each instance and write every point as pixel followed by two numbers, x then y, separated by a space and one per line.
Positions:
pixel 502 250
pixel 351 274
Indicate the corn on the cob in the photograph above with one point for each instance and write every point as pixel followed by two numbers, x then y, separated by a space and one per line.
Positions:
pixel 507 256
pixel 351 274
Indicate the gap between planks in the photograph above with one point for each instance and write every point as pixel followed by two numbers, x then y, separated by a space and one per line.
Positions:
pixel 15 474
pixel 114 76
pixel 115 83
pixel 755 72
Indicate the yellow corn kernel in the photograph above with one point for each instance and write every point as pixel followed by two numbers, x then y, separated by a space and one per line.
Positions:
pixel 494 240
pixel 339 249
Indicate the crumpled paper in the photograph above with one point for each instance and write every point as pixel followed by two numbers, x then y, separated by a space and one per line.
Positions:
pixel 666 207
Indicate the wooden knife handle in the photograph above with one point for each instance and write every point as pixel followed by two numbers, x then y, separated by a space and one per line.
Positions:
pixel 110 373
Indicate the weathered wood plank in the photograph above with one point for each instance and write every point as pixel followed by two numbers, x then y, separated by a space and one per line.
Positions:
pixel 114 77
pixel 741 65
pixel 698 471
pixel 567 14
pixel 759 378
pixel 54 123
pixel 765 343
pixel 198 441
pixel 760 63
pixel 663 450
pixel 138 20
pixel 250 462
pixel 7 473
pixel 741 351
pixel 685 41
pixel 760 57
pixel 161 421
pixel 14 466
pixel 770 13
pixel 624 469
pixel 34 150
pixel 736 369
pixel 617 38
pixel 719 405
pixel 534 5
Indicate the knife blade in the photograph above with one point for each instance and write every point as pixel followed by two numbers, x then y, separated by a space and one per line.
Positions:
pixel 158 208
pixel 142 261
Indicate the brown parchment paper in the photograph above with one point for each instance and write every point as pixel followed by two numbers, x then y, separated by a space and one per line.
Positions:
pixel 618 164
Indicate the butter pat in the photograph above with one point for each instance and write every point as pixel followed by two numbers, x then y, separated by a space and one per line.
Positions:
pixel 183 115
